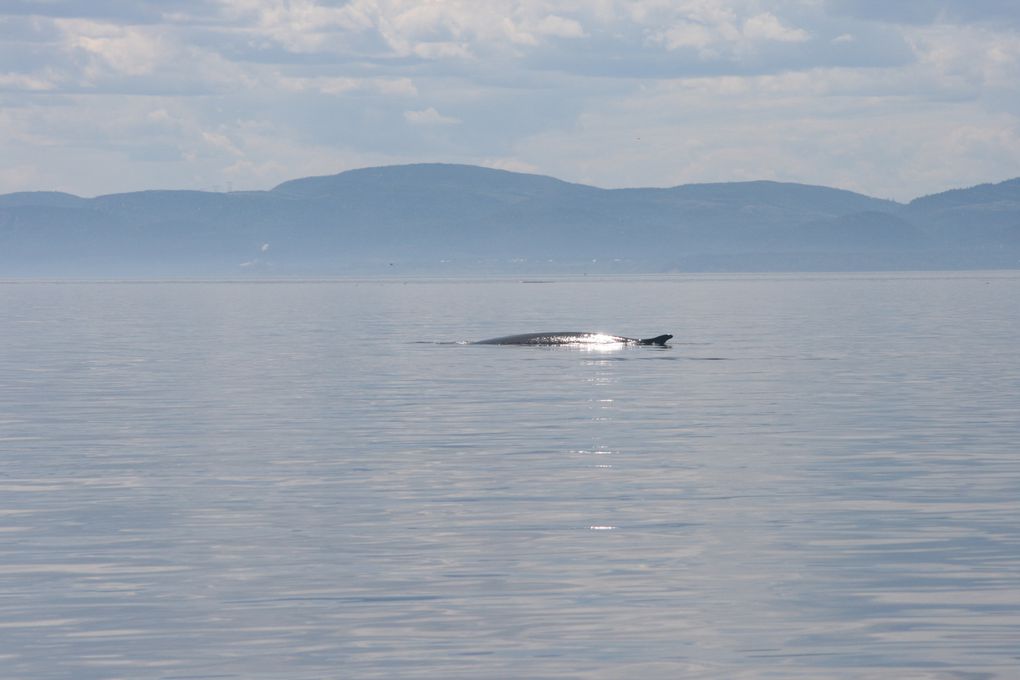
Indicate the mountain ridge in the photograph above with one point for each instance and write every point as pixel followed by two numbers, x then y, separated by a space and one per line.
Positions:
pixel 453 218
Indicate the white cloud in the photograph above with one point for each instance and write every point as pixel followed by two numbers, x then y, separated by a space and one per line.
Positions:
pixel 221 141
pixel 560 27
pixel 322 85
pixel 442 50
pixel 972 56
pixel 511 164
pixel 766 26
pixel 715 31
pixel 687 34
pixel 516 34
pixel 429 116
pixel 340 86
pixel 26 81
pixel 131 51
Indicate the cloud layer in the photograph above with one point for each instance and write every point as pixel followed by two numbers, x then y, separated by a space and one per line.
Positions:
pixel 893 99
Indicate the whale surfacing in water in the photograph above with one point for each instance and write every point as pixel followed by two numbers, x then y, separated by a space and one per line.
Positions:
pixel 573 338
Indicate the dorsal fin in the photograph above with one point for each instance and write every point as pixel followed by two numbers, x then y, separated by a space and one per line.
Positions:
pixel 658 340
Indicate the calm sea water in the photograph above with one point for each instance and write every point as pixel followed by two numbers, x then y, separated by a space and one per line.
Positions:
pixel 819 479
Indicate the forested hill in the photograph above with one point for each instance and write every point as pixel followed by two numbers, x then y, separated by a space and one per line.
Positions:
pixel 457 219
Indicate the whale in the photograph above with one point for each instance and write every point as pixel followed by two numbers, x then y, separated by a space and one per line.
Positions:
pixel 583 338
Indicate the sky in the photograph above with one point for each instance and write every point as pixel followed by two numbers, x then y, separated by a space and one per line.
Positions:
pixel 892 99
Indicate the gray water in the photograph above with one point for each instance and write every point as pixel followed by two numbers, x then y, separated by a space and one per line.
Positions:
pixel 820 478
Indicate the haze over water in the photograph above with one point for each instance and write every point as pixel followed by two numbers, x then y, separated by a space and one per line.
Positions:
pixel 820 478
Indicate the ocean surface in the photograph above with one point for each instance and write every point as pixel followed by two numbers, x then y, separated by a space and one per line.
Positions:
pixel 819 478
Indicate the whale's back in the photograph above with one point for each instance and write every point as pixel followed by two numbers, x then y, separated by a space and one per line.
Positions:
pixel 572 338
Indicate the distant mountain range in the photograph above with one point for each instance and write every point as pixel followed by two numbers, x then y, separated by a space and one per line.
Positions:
pixel 458 219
